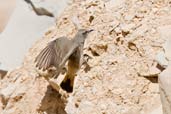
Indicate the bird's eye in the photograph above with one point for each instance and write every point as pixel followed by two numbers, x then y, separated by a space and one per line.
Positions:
pixel 84 33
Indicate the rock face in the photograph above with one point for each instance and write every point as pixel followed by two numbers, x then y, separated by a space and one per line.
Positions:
pixel 24 94
pixel 122 73
pixel 23 29
pixel 165 76
pixel 165 83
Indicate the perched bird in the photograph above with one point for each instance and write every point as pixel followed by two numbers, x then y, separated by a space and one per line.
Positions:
pixel 61 50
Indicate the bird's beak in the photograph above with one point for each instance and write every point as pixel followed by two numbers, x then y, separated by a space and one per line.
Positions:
pixel 88 31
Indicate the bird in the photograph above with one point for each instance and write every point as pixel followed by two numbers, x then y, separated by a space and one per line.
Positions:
pixel 61 50
pixel 39 11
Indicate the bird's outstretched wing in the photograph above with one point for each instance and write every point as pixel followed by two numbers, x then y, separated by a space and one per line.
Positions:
pixel 54 54
pixel 47 57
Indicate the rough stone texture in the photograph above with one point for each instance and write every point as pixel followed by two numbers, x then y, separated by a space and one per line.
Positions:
pixel 25 94
pixel 122 77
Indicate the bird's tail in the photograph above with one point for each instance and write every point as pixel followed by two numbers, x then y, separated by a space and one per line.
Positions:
pixel 73 66
pixel 68 83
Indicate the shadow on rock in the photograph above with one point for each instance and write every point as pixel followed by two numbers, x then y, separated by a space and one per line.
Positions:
pixel 52 103
pixel 153 79
pixel 2 74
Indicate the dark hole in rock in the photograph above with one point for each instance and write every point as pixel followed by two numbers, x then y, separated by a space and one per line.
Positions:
pixel 76 105
pixel 87 67
pixel 118 39
pixel 132 46
pixel 122 42
pixel 160 67
pixel 91 18
pixel 125 33
pixel 94 53
pixel 65 18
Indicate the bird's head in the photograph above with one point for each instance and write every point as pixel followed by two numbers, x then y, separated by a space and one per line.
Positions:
pixel 82 34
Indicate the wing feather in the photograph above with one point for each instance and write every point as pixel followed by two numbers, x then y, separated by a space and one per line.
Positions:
pixel 47 57
pixel 41 57
pixel 55 54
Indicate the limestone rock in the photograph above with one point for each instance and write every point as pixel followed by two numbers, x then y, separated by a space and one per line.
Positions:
pixel 165 90
pixel 112 84
pixel 24 93
pixel 23 29
pixel 161 59
pixel 164 77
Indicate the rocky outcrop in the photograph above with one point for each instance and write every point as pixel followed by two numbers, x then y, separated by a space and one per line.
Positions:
pixel 165 76
pixel 23 93
pixel 122 73
pixel 165 90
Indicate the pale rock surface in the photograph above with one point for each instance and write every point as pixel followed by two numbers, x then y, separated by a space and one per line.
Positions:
pixel 161 59
pixel 165 90
pixel 165 76
pixel 157 110
pixel 26 94
pixel 23 29
pixel 122 48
